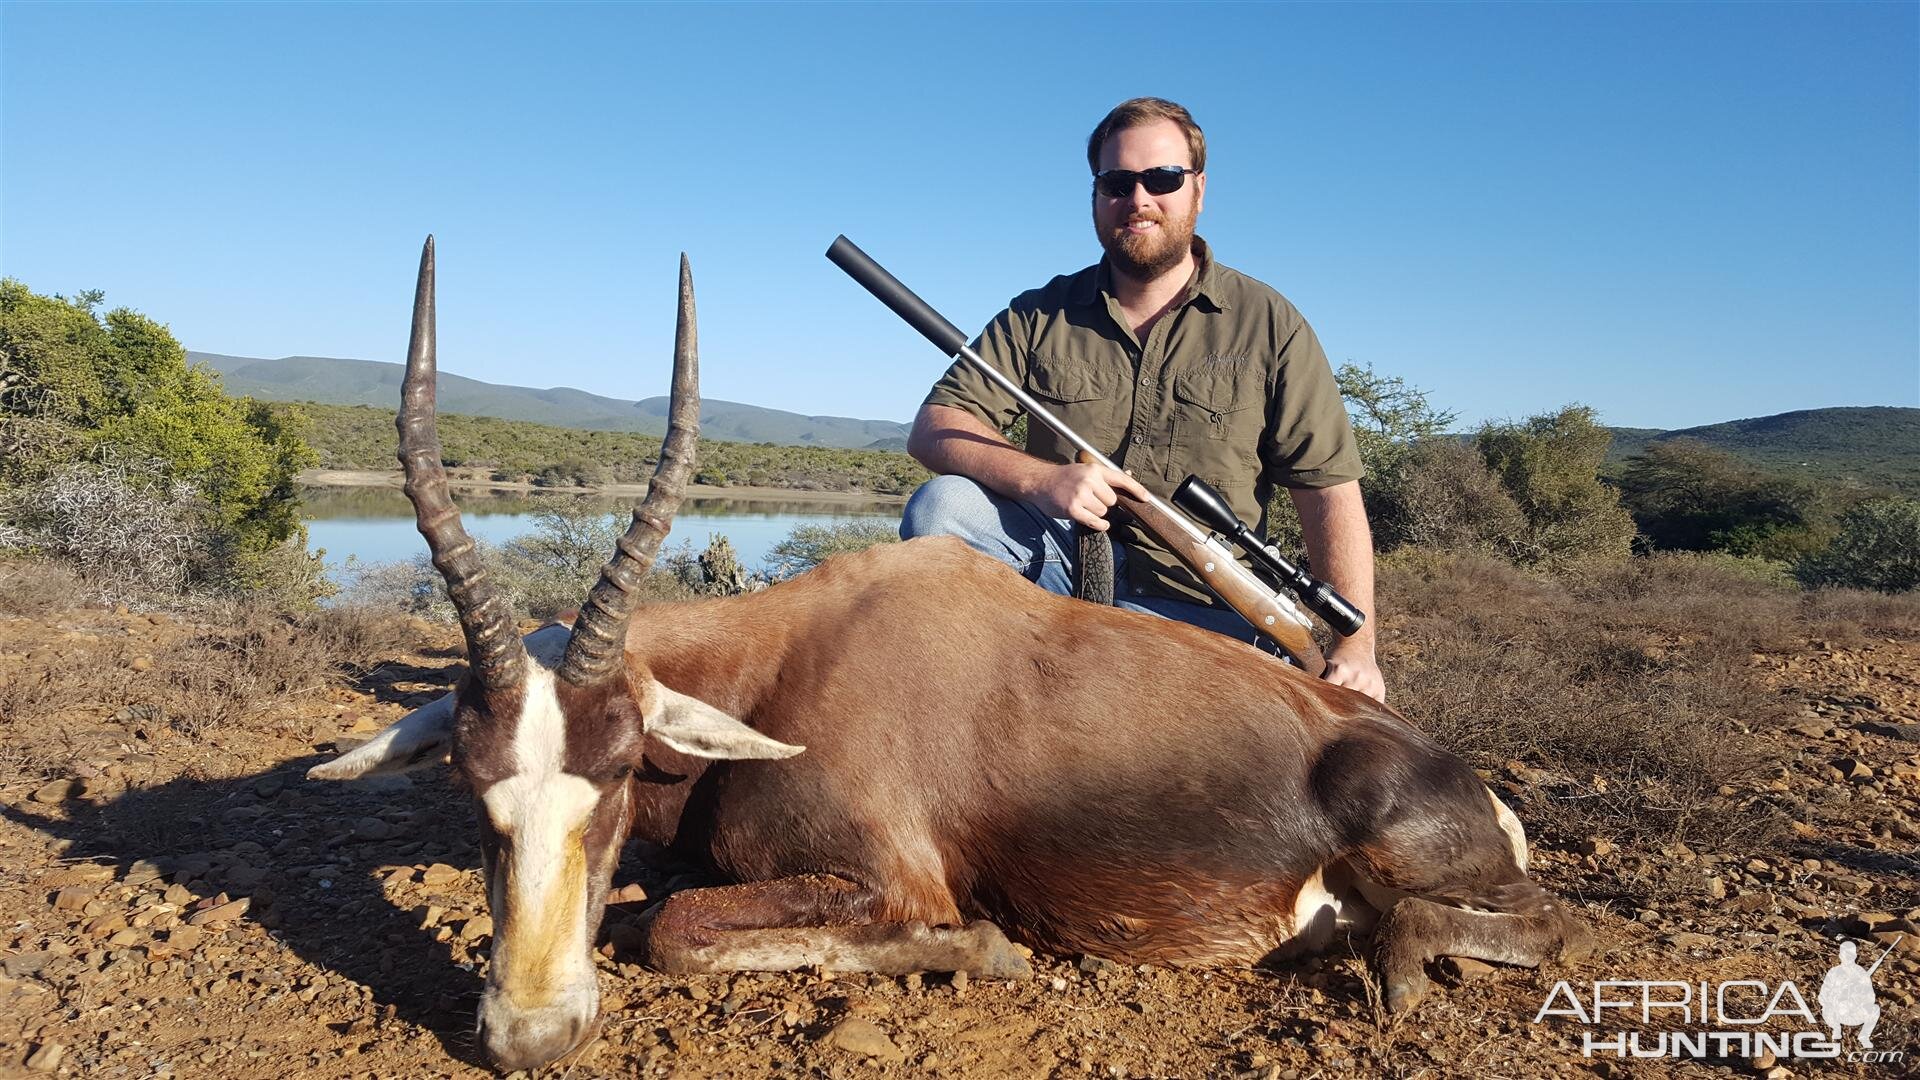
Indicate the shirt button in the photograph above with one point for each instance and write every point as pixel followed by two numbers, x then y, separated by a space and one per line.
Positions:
pixel 1138 591
pixel 1146 380
pixel 1139 440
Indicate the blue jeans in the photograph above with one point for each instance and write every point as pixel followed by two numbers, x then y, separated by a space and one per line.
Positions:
pixel 1042 548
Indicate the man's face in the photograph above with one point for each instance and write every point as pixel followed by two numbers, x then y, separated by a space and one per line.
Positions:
pixel 1147 235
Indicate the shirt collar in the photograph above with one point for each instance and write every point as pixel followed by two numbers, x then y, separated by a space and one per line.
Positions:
pixel 1206 284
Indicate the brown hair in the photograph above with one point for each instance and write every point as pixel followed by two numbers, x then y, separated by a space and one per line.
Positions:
pixel 1147 110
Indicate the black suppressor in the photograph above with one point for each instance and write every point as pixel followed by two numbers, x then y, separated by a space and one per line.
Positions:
pixel 888 290
pixel 1206 506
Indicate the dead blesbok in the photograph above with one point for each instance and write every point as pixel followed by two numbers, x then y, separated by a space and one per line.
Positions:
pixel 978 755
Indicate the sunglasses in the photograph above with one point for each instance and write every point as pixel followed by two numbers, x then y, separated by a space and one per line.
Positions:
pixel 1159 180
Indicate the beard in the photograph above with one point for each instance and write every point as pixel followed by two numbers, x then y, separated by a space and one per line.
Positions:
pixel 1145 257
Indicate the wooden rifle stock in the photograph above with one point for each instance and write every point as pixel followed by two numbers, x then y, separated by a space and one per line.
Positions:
pixel 1234 584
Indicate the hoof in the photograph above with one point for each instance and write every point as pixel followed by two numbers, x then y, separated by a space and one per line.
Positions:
pixel 1581 944
pixel 1404 993
pixel 994 956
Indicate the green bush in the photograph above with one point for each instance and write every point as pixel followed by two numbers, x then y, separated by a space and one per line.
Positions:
pixel 807 546
pixel 76 387
pixel 1444 497
pixel 1550 465
pixel 1878 547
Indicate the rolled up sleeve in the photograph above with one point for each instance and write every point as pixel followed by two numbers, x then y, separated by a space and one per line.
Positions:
pixel 1003 345
pixel 1309 440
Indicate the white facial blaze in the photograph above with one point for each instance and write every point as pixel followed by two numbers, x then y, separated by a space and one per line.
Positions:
pixel 540 890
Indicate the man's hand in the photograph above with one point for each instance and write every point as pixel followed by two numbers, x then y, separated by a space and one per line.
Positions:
pixel 1081 492
pixel 1353 666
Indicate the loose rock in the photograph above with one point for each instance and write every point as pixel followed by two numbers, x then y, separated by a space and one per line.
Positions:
pixel 861 1036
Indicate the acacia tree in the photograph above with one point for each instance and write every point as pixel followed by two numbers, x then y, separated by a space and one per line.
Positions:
pixel 1689 496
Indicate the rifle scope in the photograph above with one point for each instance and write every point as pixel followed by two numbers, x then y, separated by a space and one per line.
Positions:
pixel 1208 507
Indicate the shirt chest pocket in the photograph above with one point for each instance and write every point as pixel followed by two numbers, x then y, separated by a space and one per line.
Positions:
pixel 1066 382
pixel 1218 399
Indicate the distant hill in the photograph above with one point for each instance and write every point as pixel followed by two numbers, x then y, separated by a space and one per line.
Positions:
pixel 1874 446
pixel 331 381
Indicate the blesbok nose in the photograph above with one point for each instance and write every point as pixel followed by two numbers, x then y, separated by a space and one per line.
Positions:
pixel 528 1040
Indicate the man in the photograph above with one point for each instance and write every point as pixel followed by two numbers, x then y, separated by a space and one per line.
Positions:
pixel 1176 363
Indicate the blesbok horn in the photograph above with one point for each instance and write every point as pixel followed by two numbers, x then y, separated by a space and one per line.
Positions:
pixel 486 615
pixel 600 632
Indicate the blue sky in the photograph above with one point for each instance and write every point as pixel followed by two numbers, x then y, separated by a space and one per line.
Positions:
pixel 1676 213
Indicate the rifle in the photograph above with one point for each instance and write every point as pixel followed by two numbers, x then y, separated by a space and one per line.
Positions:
pixel 1203 550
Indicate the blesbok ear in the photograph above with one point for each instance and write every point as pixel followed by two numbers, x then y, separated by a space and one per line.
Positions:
pixel 697 729
pixel 420 738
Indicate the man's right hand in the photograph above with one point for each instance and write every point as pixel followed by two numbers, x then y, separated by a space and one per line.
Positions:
pixel 1083 493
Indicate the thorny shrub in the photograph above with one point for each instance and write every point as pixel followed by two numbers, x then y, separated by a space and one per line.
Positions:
pixel 126 537
pixel 131 537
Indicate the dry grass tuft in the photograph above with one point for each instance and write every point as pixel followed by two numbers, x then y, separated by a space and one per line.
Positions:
pixel 1622 691
pixel 33 588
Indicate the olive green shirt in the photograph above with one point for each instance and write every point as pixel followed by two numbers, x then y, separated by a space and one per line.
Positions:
pixel 1230 385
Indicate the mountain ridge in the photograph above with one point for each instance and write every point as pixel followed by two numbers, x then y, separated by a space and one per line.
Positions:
pixel 1869 445
pixel 330 380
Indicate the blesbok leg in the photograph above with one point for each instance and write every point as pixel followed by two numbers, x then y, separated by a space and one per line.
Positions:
pixel 816 920
pixel 1516 923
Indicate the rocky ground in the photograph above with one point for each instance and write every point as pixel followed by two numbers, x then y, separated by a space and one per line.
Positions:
pixel 176 900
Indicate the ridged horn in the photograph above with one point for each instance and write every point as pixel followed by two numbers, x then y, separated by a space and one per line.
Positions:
pixel 600 633
pixel 493 641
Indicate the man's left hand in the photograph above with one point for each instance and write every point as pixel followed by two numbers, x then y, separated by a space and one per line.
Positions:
pixel 1353 666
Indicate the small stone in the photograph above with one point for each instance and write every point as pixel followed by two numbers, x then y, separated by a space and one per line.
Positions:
pixel 222 913
pixel 78 874
pixel 1058 983
pixel 1094 965
pixel 1465 969
pixel 372 828
pixel 1716 888
pixel 474 929
pixel 145 870
pixel 54 792
pixel 439 874
pixel 20 965
pixel 960 982
pixel 1853 770
pixel 1763 1061
pixel 1595 846
pixel 861 1036
pixel 142 663
pixel 73 898
pixel 185 938
pixel 46 1057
